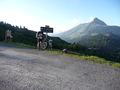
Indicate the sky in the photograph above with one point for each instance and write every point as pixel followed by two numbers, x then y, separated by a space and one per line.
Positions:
pixel 61 15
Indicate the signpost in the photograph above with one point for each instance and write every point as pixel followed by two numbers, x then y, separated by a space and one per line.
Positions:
pixel 46 29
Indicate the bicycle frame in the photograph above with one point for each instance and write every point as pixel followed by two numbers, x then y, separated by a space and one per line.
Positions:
pixel 43 44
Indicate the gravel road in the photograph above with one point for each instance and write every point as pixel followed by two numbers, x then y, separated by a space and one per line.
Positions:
pixel 30 69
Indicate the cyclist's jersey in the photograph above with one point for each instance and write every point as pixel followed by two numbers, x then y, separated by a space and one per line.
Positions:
pixel 39 35
pixel 8 33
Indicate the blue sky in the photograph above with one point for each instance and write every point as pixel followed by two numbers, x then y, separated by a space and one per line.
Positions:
pixel 59 14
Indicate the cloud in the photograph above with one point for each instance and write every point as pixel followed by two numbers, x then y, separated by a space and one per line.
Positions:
pixel 30 22
pixel 90 19
pixel 20 19
pixel 75 21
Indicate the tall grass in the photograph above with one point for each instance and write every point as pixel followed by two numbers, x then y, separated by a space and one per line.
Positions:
pixel 86 57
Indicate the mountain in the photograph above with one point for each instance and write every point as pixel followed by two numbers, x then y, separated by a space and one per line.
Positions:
pixel 26 36
pixel 88 30
pixel 95 35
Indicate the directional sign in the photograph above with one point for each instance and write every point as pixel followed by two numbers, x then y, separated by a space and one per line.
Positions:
pixel 46 29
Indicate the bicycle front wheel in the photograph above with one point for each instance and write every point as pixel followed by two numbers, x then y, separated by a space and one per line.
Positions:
pixel 43 45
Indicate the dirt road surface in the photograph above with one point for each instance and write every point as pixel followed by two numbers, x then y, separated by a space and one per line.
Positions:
pixel 30 69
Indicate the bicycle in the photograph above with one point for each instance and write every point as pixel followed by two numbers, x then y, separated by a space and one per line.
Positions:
pixel 43 44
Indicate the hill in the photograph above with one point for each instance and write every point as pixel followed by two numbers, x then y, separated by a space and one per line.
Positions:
pixel 26 36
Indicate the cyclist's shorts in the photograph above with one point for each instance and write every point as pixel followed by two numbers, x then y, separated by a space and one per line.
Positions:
pixel 39 40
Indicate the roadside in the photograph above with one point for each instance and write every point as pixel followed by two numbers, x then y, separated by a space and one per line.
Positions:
pixel 70 53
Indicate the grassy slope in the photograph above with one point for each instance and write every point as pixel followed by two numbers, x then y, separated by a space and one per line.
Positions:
pixel 90 58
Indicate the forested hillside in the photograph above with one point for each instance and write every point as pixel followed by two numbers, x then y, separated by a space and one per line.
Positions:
pixel 23 35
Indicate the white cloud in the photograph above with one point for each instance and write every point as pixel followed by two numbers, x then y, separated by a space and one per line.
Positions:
pixel 60 28
pixel 75 21
pixel 20 19
pixel 90 19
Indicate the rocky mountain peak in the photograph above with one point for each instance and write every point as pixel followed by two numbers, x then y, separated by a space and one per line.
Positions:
pixel 98 21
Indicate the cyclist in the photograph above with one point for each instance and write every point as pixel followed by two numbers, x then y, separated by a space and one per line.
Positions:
pixel 8 35
pixel 39 36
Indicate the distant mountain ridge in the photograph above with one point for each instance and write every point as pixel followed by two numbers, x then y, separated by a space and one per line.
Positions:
pixel 96 35
pixel 87 30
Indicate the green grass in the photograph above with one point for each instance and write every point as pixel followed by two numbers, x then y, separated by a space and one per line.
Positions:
pixel 90 58
pixel 20 44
